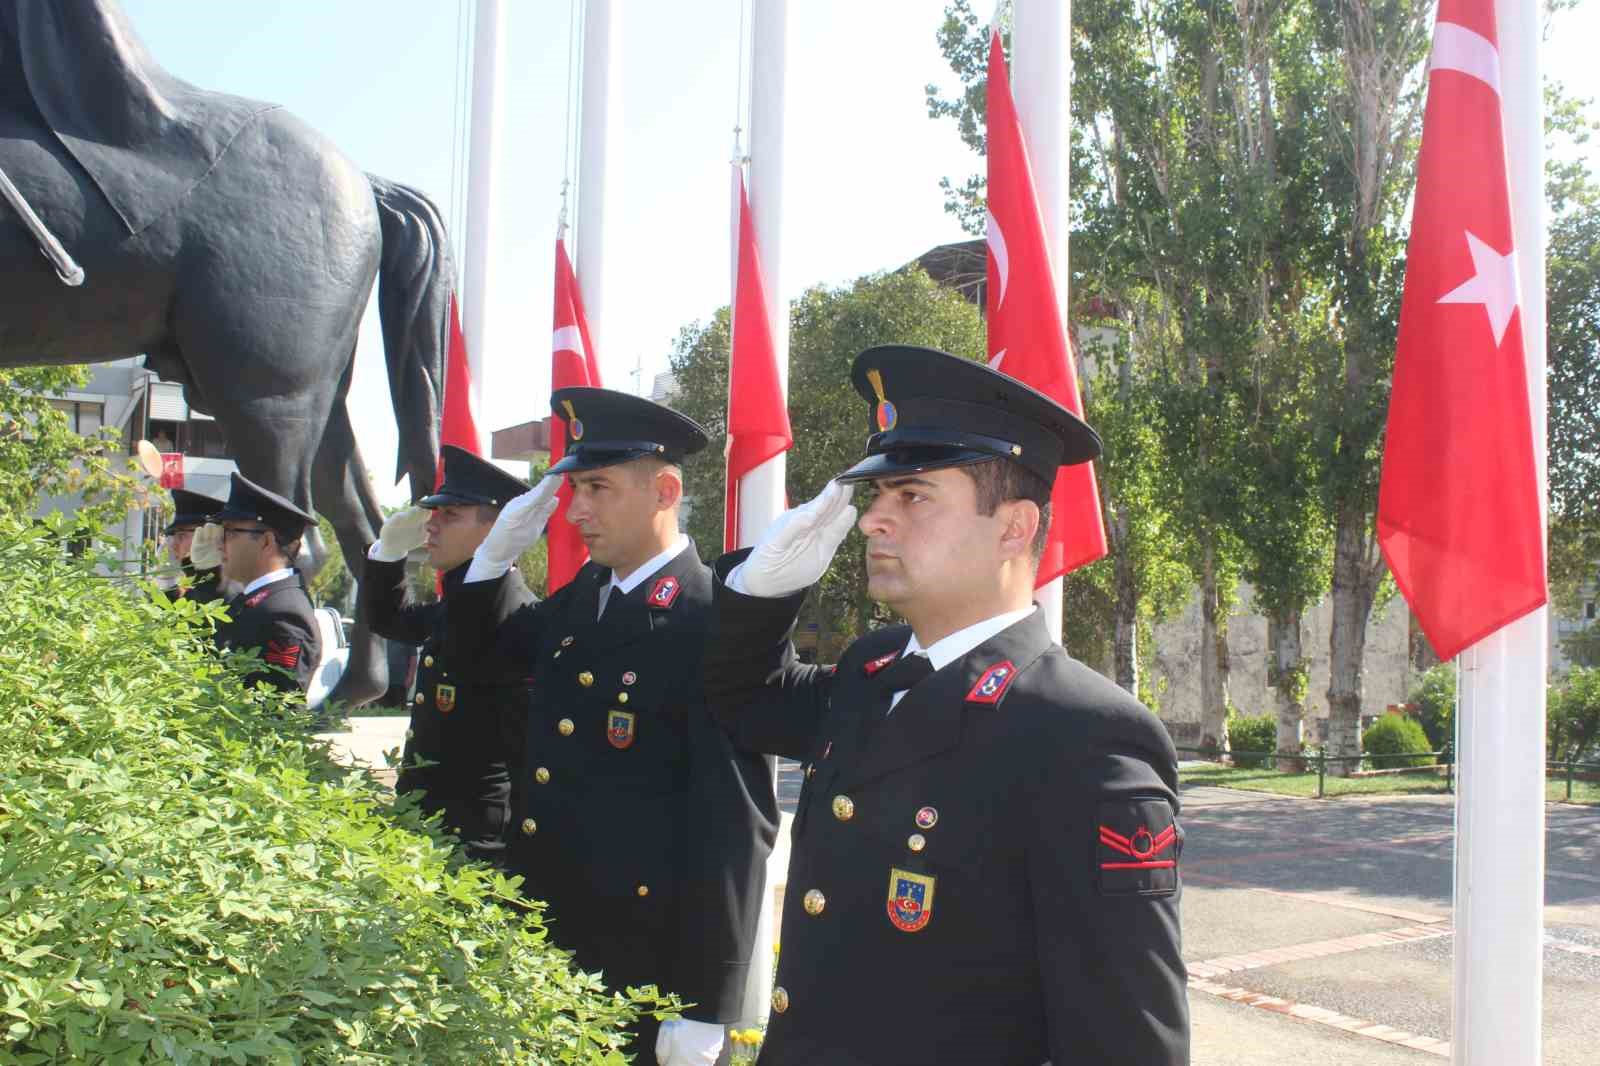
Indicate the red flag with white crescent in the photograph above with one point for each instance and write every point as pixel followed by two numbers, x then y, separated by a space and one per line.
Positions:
pixel 459 425
pixel 758 420
pixel 572 362
pixel 1459 515
pixel 1027 338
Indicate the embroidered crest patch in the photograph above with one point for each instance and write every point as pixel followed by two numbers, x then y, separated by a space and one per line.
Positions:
pixel 910 900
pixel 444 698
pixel 664 593
pixel 620 729
pixel 873 666
pixel 284 653
pixel 993 683
pixel 1138 847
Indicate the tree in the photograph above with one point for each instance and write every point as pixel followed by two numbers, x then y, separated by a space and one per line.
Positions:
pixel 1574 721
pixel 828 327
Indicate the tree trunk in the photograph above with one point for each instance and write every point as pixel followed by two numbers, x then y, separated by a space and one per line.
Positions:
pixel 1213 659
pixel 1289 679
pixel 1354 583
pixel 1125 648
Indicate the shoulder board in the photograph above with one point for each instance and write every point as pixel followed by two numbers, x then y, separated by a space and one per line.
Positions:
pixel 992 683
pixel 664 593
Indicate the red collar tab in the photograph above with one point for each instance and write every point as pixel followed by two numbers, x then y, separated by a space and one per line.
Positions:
pixel 879 663
pixel 255 598
pixel 664 593
pixel 993 683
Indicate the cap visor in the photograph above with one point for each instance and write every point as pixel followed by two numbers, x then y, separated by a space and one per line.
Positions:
pixel 594 459
pixel 449 499
pixel 910 461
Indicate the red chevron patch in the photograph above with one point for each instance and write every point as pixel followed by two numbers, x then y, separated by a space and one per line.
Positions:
pixel 282 653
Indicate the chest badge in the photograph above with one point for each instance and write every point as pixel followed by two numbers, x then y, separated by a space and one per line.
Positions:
pixel 993 683
pixel 620 729
pixel 927 817
pixel 444 698
pixel 910 900
pixel 874 665
pixel 664 593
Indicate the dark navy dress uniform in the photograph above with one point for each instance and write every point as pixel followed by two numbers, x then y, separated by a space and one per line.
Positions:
pixel 636 818
pixel 277 619
pixel 988 874
pixel 466 733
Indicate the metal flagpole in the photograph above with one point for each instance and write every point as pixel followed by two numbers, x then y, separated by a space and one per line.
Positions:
pixel 602 25
pixel 486 52
pixel 1499 868
pixel 761 492
pixel 1041 84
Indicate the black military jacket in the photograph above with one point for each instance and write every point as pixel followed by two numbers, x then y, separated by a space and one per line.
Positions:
pixel 986 875
pixel 277 621
pixel 635 817
pixel 205 586
pixel 468 723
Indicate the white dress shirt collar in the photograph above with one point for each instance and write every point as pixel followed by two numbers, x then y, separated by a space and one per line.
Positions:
pixel 267 579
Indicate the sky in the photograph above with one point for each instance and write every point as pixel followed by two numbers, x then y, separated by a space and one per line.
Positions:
pixel 862 159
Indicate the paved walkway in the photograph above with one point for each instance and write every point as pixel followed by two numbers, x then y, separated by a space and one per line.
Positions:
pixel 1319 930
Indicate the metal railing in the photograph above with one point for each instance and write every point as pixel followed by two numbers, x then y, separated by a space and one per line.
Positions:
pixel 1444 758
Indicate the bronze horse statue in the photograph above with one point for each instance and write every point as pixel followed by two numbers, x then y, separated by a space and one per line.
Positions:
pixel 230 244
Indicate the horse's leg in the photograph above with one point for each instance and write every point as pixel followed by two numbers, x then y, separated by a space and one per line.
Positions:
pixel 345 495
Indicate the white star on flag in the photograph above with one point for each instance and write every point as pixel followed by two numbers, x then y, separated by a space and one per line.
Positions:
pixel 1493 284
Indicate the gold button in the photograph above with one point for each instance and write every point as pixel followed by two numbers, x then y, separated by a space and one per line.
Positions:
pixel 780 999
pixel 529 827
pixel 844 808
pixel 814 902
pixel 419 699
pixel 542 776
pixel 565 727
pixel 622 697
pixel 427 660
pixel 643 890
pixel 916 842
pixel 586 679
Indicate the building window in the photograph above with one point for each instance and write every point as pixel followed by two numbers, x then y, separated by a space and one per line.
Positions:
pixel 84 418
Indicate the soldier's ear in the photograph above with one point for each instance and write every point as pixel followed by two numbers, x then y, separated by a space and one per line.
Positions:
pixel 668 487
pixel 1021 519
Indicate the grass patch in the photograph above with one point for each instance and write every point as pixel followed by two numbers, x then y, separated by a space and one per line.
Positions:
pixel 1305 785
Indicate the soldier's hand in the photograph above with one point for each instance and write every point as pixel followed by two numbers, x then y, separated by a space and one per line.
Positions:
pixel 796 549
pixel 518 528
pixel 403 532
pixel 683 1042
pixel 205 551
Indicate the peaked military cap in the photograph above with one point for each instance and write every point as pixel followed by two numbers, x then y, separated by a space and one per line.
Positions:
pixel 605 428
pixel 470 479
pixel 931 410
pixel 191 509
pixel 249 502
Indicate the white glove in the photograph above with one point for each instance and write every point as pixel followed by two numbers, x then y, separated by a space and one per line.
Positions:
pixel 796 549
pixel 205 551
pixel 682 1042
pixel 519 526
pixel 403 532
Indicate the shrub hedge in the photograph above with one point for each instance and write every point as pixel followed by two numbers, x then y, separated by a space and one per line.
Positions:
pixel 1256 733
pixel 1392 742
pixel 185 876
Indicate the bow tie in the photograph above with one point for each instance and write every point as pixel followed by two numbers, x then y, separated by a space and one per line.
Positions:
pixel 903 673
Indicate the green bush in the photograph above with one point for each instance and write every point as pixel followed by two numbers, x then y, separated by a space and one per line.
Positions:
pixel 1258 733
pixel 186 877
pixel 1393 741
pixel 1573 719
pixel 1434 698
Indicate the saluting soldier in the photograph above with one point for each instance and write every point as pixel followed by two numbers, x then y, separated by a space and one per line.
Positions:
pixel 636 819
pixel 987 836
pixel 466 725
pixel 191 512
pixel 261 535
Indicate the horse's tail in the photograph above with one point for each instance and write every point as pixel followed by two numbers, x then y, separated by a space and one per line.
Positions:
pixel 416 280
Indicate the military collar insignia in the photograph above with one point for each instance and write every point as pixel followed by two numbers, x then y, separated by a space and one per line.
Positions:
pixel 255 598
pixel 664 593
pixel 910 900
pixel 992 683
pixel 872 666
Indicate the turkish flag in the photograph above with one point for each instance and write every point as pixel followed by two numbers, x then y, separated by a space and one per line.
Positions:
pixel 1027 338
pixel 460 423
pixel 1459 515
pixel 572 362
pixel 758 420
